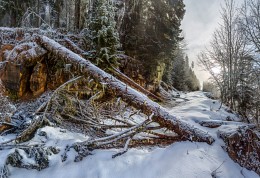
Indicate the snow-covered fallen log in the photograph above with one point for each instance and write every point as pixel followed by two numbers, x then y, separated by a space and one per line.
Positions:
pixel 218 123
pixel 243 146
pixel 128 94
pixel 122 77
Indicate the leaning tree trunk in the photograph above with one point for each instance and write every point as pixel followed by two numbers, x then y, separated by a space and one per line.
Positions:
pixel 122 77
pixel 128 94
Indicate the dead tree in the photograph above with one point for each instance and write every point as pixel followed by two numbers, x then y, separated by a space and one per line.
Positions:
pixel 128 94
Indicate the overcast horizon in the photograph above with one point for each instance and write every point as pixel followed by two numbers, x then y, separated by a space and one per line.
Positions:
pixel 201 19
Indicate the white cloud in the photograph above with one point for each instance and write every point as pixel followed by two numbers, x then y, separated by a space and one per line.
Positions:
pixel 202 17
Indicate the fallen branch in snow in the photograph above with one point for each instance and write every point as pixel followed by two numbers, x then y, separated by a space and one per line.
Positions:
pixel 4 172
pixel 128 94
pixel 29 132
pixel 215 172
pixel 40 121
pixel 125 148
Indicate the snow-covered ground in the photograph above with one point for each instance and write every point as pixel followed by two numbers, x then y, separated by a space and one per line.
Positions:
pixel 179 160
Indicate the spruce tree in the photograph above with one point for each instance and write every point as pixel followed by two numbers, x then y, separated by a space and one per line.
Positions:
pixel 151 31
pixel 178 71
pixel 104 36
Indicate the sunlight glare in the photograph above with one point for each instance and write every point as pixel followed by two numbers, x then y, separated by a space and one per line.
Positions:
pixel 216 70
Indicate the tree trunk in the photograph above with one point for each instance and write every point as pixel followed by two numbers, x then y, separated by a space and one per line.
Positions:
pixel 122 77
pixel 13 18
pixel 38 12
pixel 57 8
pixel 77 14
pixel 128 94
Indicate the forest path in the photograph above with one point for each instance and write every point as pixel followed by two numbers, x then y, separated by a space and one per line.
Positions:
pixel 198 107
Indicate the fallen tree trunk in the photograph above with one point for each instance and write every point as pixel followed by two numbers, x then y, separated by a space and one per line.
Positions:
pixel 122 77
pixel 132 83
pixel 218 123
pixel 243 146
pixel 74 47
pixel 128 94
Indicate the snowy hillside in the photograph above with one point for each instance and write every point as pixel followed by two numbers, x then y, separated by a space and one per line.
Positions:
pixel 179 160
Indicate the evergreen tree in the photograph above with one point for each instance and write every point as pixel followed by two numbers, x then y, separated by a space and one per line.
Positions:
pixel 191 80
pixel 182 75
pixel 103 33
pixel 151 31
pixel 178 73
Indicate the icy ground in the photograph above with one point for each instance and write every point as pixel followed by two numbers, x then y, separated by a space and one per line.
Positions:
pixel 179 160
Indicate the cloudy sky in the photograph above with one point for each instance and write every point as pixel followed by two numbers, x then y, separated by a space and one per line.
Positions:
pixel 202 17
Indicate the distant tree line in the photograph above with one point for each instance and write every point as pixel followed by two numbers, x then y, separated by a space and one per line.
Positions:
pixel 234 51
pixel 181 74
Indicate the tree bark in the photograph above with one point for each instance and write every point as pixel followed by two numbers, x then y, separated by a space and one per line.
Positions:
pixel 128 94
pixel 132 83
pixel 77 14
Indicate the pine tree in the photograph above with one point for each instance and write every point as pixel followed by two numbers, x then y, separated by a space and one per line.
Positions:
pixel 150 32
pixel 191 80
pixel 182 75
pixel 178 73
pixel 103 33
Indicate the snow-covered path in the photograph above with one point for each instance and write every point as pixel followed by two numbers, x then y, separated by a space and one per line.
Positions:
pixel 199 107
pixel 179 160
